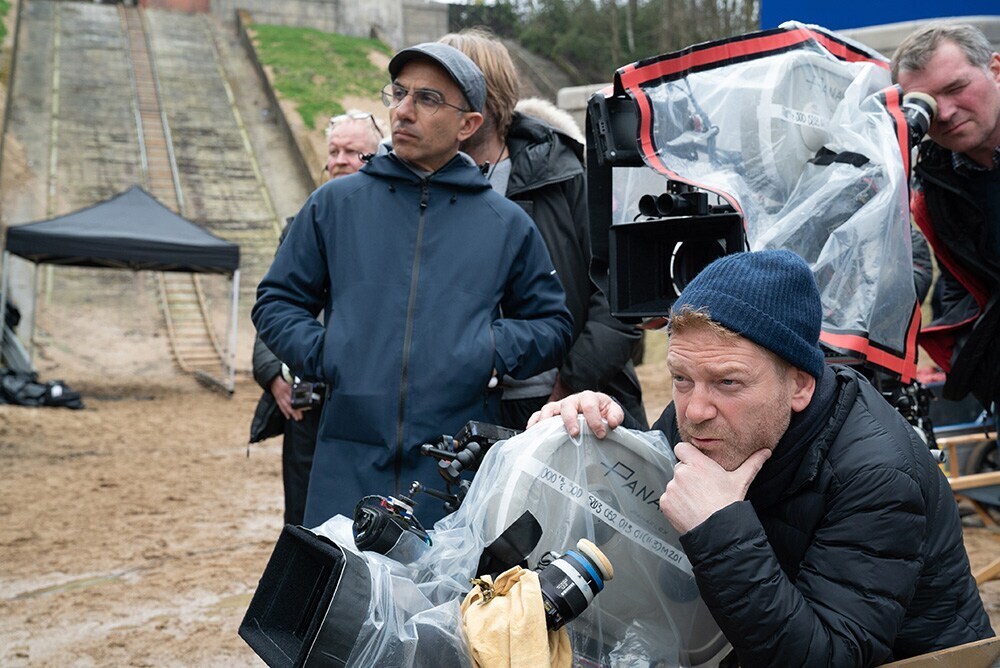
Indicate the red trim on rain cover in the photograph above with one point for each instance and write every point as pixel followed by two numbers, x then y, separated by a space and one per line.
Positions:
pixel 906 368
pixel 893 99
pixel 633 77
pixel 719 53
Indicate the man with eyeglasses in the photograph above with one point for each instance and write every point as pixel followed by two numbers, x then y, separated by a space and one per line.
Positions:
pixel 432 285
pixel 349 137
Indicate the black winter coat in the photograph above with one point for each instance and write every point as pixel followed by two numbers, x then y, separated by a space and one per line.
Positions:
pixel 848 551
pixel 962 338
pixel 548 181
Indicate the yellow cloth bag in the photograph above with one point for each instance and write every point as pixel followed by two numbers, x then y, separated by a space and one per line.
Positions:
pixel 510 629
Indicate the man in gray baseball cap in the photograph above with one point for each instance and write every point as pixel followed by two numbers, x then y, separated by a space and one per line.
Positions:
pixel 460 68
pixel 432 284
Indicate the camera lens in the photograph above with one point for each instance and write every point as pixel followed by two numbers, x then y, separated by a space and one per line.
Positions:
pixel 368 527
pixel 693 256
pixel 647 206
pixel 919 110
pixel 570 583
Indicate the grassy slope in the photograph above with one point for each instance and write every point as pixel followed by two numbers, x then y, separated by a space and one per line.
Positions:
pixel 4 9
pixel 315 70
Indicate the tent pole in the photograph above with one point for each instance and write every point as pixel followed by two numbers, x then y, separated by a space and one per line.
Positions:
pixel 34 313
pixel 3 295
pixel 233 318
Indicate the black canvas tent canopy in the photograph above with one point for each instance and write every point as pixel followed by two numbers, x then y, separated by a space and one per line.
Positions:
pixel 131 230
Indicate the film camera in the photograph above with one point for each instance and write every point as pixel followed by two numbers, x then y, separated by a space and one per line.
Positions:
pixel 690 156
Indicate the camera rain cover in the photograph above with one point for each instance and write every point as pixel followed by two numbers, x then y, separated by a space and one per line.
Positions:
pixel 801 132
pixel 605 490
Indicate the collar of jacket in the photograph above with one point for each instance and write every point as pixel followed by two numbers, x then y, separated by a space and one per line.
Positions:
pixel 796 459
pixel 800 452
pixel 540 155
pixel 458 173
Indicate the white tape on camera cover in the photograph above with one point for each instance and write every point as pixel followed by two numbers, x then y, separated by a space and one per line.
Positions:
pixel 611 517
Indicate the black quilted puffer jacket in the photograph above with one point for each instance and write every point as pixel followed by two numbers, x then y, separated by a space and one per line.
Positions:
pixel 848 551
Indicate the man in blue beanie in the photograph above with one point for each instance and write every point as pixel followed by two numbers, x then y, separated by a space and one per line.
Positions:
pixel 820 529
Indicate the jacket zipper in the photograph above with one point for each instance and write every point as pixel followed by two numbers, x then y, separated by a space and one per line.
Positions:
pixel 493 355
pixel 408 336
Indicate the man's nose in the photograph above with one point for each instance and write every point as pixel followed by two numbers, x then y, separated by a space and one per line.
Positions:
pixel 406 108
pixel 700 405
pixel 945 109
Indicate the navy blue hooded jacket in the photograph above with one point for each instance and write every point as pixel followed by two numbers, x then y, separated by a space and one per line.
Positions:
pixel 428 285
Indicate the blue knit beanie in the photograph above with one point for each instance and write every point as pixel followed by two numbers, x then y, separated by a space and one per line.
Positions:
pixel 769 297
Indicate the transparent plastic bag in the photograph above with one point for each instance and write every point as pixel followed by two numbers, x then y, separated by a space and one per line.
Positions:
pixel 605 490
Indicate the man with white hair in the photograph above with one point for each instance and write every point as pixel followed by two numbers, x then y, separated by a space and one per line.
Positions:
pixel 349 137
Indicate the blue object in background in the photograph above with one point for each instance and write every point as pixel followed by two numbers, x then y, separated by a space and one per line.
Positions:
pixel 858 13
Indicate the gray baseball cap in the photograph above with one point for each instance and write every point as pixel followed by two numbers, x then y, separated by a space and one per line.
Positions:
pixel 465 73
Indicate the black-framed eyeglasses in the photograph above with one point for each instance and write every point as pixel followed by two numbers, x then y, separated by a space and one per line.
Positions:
pixel 428 101
pixel 356 116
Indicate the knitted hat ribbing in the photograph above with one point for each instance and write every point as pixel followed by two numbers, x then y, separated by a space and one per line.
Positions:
pixel 769 297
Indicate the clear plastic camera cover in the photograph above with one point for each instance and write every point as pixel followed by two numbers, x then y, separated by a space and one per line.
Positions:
pixel 745 118
pixel 606 491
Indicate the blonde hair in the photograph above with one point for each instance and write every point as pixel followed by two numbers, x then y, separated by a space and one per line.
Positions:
pixel 697 318
pixel 688 318
pixel 494 60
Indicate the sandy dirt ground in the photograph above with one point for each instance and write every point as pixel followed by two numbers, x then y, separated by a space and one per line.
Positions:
pixel 133 532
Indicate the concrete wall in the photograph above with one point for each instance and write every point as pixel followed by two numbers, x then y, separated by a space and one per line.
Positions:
pixel 364 18
pixel 319 14
pixel 885 39
pixel 424 22
pixel 396 22
pixel 191 6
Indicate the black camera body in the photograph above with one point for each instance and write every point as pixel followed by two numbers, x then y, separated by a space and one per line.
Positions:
pixel 306 395
pixel 387 525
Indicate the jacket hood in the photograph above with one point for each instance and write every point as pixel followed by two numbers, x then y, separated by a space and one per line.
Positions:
pixel 459 173
pixel 540 154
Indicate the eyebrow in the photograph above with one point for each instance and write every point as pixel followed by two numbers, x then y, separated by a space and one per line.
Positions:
pixel 419 90
pixel 724 370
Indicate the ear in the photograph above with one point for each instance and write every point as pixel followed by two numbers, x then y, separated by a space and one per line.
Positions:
pixel 994 67
pixel 805 386
pixel 471 121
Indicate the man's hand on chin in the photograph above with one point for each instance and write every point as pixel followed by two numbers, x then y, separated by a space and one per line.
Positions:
pixel 701 487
